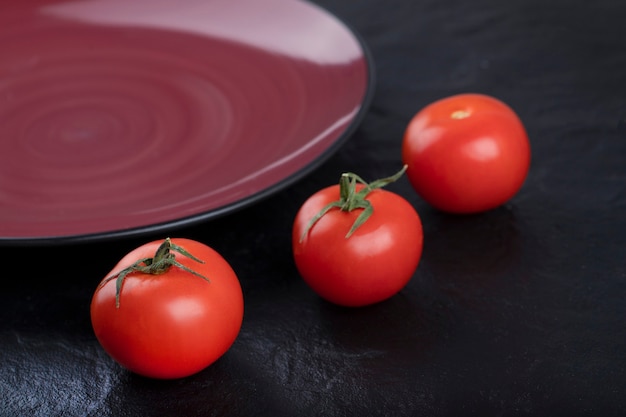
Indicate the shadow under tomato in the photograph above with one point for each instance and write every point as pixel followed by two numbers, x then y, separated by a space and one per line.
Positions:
pixel 480 247
pixel 405 326
pixel 474 257
pixel 216 390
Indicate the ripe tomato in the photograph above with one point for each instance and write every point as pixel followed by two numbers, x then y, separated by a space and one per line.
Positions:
pixel 466 153
pixel 357 244
pixel 168 309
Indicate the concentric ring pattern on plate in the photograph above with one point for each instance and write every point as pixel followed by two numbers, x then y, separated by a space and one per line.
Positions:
pixel 119 117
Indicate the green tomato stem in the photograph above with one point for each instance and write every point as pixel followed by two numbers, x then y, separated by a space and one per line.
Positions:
pixel 162 261
pixel 350 199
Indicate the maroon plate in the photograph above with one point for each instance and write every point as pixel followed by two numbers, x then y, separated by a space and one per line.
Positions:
pixel 119 118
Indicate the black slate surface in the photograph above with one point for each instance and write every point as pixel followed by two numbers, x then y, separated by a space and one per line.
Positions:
pixel 516 312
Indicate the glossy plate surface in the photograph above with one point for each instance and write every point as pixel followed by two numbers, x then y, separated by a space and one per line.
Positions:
pixel 121 117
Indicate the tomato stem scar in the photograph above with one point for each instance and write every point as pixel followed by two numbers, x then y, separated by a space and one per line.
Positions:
pixel 350 199
pixel 460 114
pixel 162 261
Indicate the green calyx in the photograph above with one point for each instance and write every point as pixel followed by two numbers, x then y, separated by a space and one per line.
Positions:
pixel 351 199
pixel 162 261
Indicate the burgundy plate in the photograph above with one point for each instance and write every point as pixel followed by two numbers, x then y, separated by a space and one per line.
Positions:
pixel 119 118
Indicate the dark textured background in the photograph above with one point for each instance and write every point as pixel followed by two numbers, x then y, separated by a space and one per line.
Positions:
pixel 516 312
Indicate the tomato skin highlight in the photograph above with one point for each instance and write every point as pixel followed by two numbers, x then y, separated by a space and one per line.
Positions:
pixel 370 266
pixel 174 324
pixel 467 153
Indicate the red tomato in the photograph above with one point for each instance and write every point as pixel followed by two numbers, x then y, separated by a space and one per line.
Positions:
pixel 467 153
pixel 169 322
pixel 348 258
